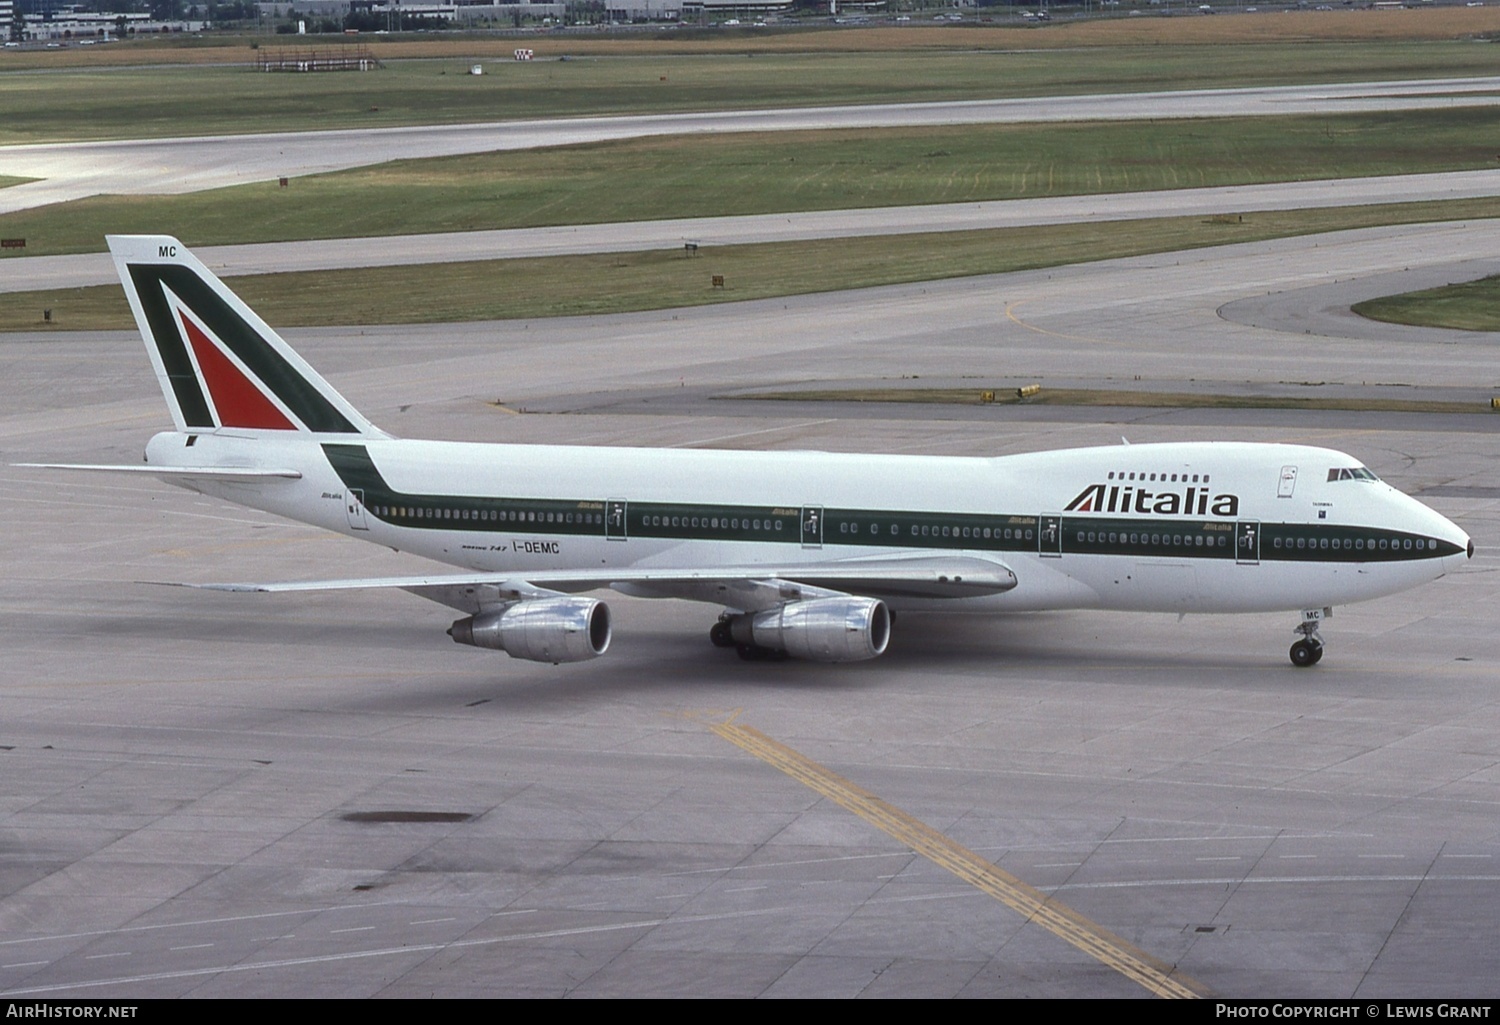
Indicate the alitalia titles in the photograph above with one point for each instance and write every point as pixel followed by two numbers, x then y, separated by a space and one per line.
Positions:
pixel 1128 498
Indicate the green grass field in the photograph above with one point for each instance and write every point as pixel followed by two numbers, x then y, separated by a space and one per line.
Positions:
pixel 1471 306
pixel 146 102
pixel 558 286
pixel 699 176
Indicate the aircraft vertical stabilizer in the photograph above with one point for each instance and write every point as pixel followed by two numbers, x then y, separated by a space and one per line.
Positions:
pixel 220 365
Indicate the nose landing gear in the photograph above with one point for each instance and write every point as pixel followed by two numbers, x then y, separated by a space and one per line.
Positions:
pixel 1309 650
pixel 1306 653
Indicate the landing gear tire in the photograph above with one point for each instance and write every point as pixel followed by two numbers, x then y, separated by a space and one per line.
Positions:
pixel 1305 653
pixel 719 635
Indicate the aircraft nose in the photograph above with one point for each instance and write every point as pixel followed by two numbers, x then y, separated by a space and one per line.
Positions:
pixel 1441 528
pixel 1461 539
pixel 1463 544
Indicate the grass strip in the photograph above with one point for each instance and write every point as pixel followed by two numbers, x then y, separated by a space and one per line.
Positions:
pixel 1110 397
pixel 1470 306
pixel 753 173
pixel 620 282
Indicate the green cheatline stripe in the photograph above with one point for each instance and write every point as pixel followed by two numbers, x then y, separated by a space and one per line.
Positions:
pixel 1159 978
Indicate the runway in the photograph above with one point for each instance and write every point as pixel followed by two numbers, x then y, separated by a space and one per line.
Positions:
pixel 214 794
pixel 171 166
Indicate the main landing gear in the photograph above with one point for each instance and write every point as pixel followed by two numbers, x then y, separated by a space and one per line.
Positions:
pixel 1309 650
pixel 720 636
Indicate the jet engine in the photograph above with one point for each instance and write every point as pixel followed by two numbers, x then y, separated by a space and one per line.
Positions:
pixel 540 629
pixel 820 629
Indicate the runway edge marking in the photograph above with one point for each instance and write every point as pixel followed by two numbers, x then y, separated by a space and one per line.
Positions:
pixel 1159 978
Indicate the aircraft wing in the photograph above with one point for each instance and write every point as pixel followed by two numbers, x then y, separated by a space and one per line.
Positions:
pixel 225 473
pixel 743 588
pixel 467 592
pixel 751 589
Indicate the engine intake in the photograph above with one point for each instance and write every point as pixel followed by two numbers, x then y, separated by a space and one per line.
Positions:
pixel 541 629
pixel 819 629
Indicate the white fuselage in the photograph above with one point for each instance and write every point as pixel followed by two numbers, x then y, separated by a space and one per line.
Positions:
pixel 1201 527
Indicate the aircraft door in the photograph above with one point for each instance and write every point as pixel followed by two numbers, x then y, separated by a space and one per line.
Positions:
pixel 615 511
pixel 1287 483
pixel 354 508
pixel 812 526
pixel 1247 542
pixel 1049 535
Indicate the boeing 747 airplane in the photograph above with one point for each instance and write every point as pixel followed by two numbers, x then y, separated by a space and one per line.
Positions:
pixel 808 554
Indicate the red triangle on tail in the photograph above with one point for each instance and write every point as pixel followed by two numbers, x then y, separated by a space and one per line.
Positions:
pixel 239 401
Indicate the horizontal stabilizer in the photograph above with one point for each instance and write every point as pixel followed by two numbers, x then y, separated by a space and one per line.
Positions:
pixel 227 473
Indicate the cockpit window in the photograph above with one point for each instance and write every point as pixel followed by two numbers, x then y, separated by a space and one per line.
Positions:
pixel 1351 473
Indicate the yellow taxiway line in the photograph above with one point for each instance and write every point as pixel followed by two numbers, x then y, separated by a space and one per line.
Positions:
pixel 1160 978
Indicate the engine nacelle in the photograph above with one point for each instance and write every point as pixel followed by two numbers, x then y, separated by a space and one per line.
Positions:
pixel 820 629
pixel 541 629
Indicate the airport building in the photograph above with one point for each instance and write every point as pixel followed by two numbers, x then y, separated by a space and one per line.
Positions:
pixel 454 10
pixel 397 9
pixel 692 10
pixel 75 22
pixel 651 10
pixel 7 20
pixel 312 8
